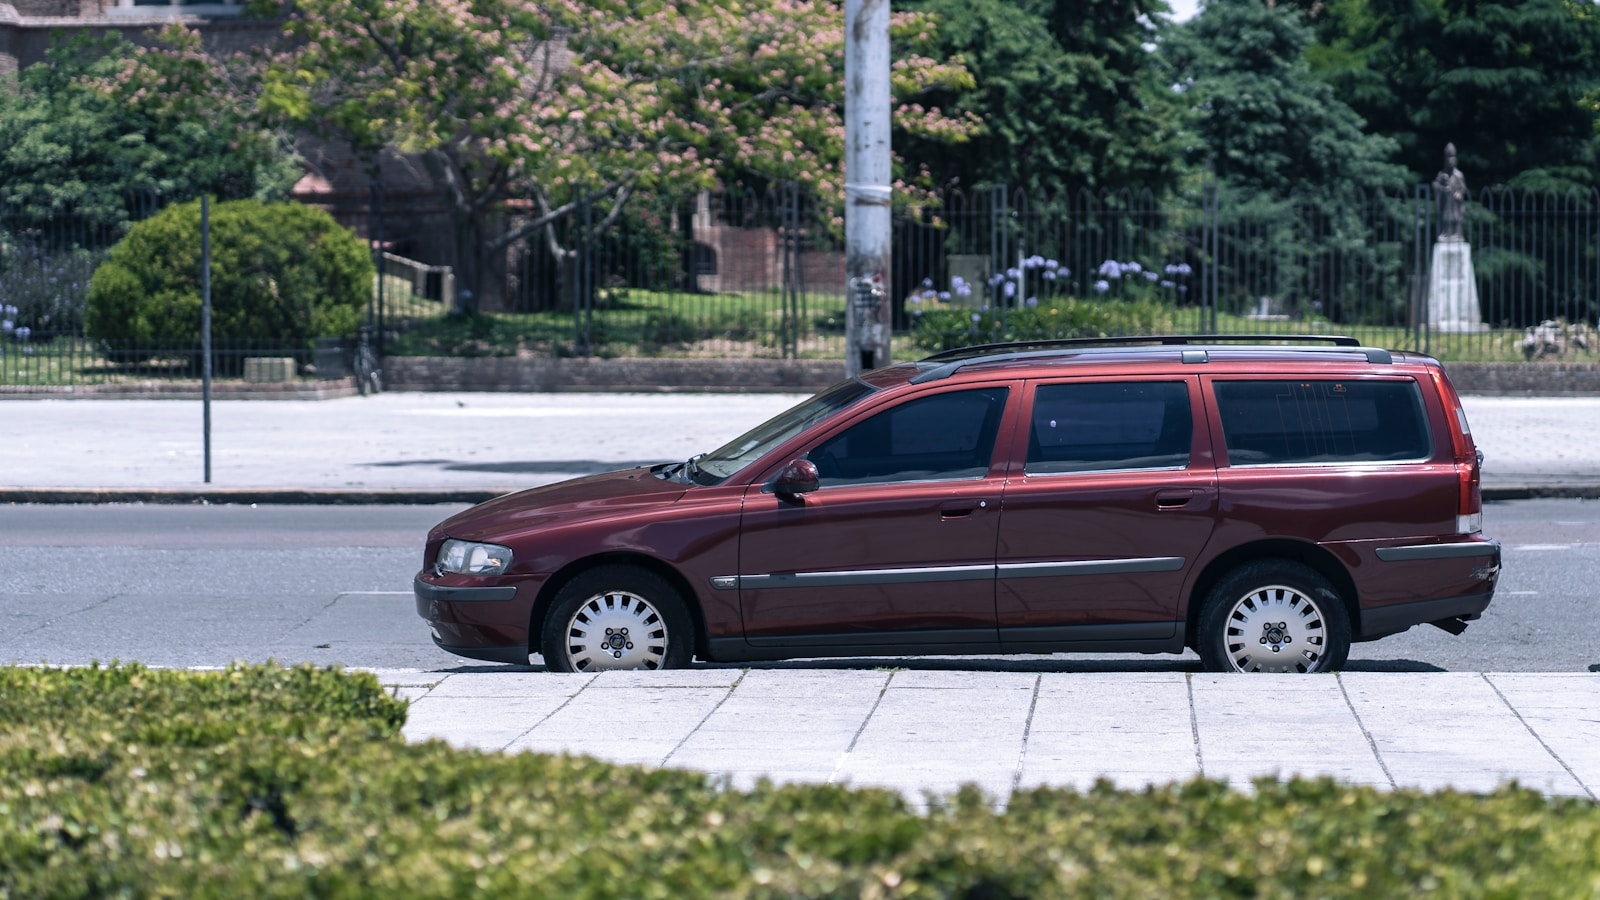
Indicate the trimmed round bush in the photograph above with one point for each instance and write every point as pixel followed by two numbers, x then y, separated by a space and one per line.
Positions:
pixel 281 274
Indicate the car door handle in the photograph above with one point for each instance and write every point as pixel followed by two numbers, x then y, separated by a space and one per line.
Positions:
pixel 962 510
pixel 1176 498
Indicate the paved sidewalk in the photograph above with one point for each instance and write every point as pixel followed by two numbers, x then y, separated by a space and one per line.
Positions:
pixel 414 447
pixel 923 731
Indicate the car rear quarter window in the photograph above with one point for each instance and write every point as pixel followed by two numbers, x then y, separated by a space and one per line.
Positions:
pixel 1103 426
pixel 946 436
pixel 1322 421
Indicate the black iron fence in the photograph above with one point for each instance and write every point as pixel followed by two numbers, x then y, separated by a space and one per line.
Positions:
pixel 761 274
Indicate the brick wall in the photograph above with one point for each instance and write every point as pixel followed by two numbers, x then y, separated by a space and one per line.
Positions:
pixel 1510 378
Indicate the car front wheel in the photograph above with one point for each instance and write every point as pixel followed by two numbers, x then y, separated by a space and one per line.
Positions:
pixel 1274 616
pixel 616 617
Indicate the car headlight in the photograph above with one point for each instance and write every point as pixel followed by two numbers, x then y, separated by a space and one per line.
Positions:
pixel 471 558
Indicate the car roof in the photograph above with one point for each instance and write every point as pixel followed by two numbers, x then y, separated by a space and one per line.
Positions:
pixel 1157 352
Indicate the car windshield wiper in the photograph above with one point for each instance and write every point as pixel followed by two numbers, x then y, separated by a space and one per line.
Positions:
pixel 698 475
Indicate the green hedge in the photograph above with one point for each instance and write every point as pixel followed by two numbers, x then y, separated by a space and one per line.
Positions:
pixel 281 272
pixel 938 326
pixel 265 781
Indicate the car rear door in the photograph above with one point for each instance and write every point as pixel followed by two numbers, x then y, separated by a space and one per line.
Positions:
pixel 1112 498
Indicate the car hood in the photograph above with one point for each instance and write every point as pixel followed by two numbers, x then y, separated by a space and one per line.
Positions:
pixel 579 498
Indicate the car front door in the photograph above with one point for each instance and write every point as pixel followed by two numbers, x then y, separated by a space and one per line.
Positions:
pixel 896 546
pixel 1117 496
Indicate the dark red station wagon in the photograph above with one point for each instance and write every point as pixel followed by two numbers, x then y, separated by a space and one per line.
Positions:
pixel 1264 503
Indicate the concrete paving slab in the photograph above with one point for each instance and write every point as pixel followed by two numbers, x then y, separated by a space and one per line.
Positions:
pixel 819 763
pixel 669 679
pixel 1075 703
pixel 511 684
pixel 1452 729
pixel 1081 780
pixel 489 723
pixel 1285 725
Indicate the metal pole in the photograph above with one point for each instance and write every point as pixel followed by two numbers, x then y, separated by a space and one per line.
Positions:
pixel 205 329
pixel 867 191
pixel 377 186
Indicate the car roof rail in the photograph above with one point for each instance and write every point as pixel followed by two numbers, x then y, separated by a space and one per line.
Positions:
pixel 954 360
pixel 1163 339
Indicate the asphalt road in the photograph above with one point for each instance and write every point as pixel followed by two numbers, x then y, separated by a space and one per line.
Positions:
pixel 205 585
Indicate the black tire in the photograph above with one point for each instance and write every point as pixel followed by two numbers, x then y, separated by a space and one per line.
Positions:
pixel 617 617
pixel 1273 615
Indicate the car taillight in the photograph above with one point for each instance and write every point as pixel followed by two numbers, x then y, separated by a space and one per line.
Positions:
pixel 1468 458
pixel 1469 513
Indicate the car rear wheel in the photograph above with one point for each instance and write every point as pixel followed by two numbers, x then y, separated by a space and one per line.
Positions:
pixel 616 617
pixel 1274 616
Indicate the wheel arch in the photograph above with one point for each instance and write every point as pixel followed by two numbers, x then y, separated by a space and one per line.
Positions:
pixel 554 584
pixel 1310 555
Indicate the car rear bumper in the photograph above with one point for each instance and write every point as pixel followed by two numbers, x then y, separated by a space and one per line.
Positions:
pixel 1397 617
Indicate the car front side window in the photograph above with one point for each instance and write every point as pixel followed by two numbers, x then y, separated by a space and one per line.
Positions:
pixel 947 436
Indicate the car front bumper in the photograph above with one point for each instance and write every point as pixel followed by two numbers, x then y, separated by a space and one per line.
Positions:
pixel 488 622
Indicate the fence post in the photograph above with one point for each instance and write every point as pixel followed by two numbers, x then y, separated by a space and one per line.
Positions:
pixel 1422 253
pixel 378 188
pixel 999 251
pixel 582 297
pixel 791 263
pixel 1211 249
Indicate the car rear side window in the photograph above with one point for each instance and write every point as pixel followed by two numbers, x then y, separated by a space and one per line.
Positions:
pixel 942 437
pixel 1101 426
pixel 1287 422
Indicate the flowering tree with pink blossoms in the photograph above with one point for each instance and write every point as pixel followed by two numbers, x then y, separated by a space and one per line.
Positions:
pixel 522 109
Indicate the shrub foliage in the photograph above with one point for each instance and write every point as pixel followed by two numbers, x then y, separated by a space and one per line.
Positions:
pixel 936 326
pixel 281 272
pixel 261 781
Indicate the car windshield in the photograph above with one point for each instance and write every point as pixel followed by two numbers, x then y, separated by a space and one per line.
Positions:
pixel 727 460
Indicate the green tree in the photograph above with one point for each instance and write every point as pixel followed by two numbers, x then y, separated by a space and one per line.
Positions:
pixel 1514 85
pixel 101 118
pixel 1307 187
pixel 1264 121
pixel 1069 94
pixel 520 110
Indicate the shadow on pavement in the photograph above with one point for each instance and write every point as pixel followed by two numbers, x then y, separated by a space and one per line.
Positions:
pixel 980 664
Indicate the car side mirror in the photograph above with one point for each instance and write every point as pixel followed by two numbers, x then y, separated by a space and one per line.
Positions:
pixel 798 477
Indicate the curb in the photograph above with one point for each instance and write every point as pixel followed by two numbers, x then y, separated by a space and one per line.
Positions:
pixel 427 496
